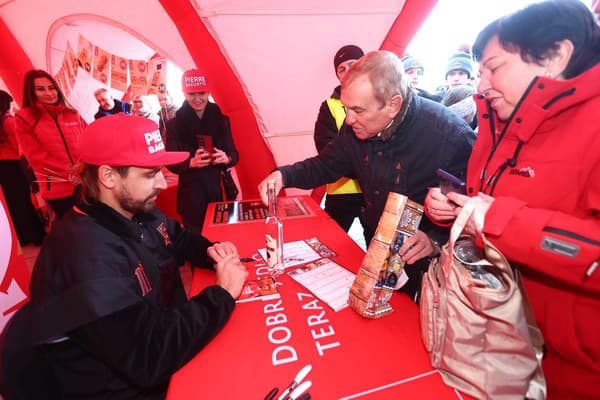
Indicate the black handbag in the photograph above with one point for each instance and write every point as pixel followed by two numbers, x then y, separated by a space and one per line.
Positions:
pixel 229 188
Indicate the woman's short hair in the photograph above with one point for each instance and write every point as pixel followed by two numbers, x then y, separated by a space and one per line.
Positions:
pixel 535 31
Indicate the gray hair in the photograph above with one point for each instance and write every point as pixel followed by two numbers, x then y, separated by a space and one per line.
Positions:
pixel 100 91
pixel 385 72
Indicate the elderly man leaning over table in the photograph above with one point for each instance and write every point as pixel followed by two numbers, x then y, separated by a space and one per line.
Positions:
pixel 392 141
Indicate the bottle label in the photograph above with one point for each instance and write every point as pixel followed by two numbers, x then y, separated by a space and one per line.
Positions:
pixel 271 251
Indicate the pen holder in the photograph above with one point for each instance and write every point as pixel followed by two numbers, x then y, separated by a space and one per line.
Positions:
pixel 382 266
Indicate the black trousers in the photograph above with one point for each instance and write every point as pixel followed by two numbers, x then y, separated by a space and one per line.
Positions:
pixel 28 225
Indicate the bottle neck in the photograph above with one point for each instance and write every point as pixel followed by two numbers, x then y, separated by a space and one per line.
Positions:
pixel 272 202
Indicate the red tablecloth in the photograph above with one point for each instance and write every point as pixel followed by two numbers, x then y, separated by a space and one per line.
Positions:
pixel 266 343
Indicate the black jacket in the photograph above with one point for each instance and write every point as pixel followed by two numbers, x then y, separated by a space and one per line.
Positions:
pixel 429 137
pixel 199 186
pixel 120 106
pixel 110 286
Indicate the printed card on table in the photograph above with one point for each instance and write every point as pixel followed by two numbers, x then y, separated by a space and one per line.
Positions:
pixel 259 289
pixel 301 252
pixel 327 280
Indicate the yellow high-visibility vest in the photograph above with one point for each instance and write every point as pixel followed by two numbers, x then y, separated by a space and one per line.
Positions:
pixel 343 185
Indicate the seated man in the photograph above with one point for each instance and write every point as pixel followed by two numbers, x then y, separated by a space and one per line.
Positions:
pixel 109 105
pixel 108 306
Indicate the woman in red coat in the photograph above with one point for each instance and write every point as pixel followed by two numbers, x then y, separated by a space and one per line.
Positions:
pixel 48 131
pixel 536 168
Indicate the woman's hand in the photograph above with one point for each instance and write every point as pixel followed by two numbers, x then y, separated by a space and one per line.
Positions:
pixel 438 207
pixel 220 157
pixel 201 159
pixel 482 204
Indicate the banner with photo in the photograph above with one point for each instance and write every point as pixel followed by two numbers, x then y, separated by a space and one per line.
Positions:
pixel 101 65
pixel 157 72
pixel 118 73
pixel 84 54
pixel 61 79
pixel 70 64
pixel 138 74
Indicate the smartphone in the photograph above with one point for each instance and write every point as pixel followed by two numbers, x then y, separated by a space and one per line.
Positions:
pixel 206 142
pixel 450 183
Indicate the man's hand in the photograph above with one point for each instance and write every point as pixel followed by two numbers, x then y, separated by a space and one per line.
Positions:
pixel 201 159
pixel 262 187
pixel 416 247
pixel 231 273
pixel 220 250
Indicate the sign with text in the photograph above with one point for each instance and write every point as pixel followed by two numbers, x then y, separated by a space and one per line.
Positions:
pixel 14 275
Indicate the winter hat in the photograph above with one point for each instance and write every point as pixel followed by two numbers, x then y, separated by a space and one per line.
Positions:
pixel 122 140
pixel 409 62
pixel 193 80
pixel 460 61
pixel 349 52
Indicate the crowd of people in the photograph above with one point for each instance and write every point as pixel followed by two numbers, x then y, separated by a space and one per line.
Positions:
pixel 519 131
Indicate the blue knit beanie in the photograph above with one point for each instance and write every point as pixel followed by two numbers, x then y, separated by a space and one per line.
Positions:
pixel 460 61
pixel 409 62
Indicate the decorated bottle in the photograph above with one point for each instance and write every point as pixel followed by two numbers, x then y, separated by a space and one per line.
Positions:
pixel 273 232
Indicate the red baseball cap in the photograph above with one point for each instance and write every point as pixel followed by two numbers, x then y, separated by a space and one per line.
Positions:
pixel 193 80
pixel 122 140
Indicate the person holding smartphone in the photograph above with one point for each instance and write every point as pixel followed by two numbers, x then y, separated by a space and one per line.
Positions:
pixel 200 128
pixel 536 170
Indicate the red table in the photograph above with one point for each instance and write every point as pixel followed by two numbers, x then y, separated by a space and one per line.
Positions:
pixel 266 343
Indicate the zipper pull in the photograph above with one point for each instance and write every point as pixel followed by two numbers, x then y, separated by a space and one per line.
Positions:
pixel 593 267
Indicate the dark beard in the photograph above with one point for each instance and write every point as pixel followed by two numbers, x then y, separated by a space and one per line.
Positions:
pixel 137 206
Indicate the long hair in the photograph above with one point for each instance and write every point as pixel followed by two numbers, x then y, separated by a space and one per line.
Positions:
pixel 5 100
pixel 90 186
pixel 30 98
pixel 534 32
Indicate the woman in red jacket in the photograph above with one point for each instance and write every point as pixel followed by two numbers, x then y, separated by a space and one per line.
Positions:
pixel 536 168
pixel 48 131
pixel 13 182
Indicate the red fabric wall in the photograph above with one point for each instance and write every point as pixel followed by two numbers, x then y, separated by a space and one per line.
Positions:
pixel 13 62
pixel 256 160
pixel 406 25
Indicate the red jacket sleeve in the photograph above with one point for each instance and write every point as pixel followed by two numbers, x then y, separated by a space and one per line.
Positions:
pixel 562 246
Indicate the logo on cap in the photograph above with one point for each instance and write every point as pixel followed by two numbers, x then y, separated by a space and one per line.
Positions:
pixel 154 141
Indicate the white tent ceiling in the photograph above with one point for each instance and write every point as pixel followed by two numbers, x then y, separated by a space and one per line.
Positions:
pixel 281 51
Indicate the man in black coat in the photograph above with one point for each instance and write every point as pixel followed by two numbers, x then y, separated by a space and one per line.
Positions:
pixel 399 141
pixel 108 310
